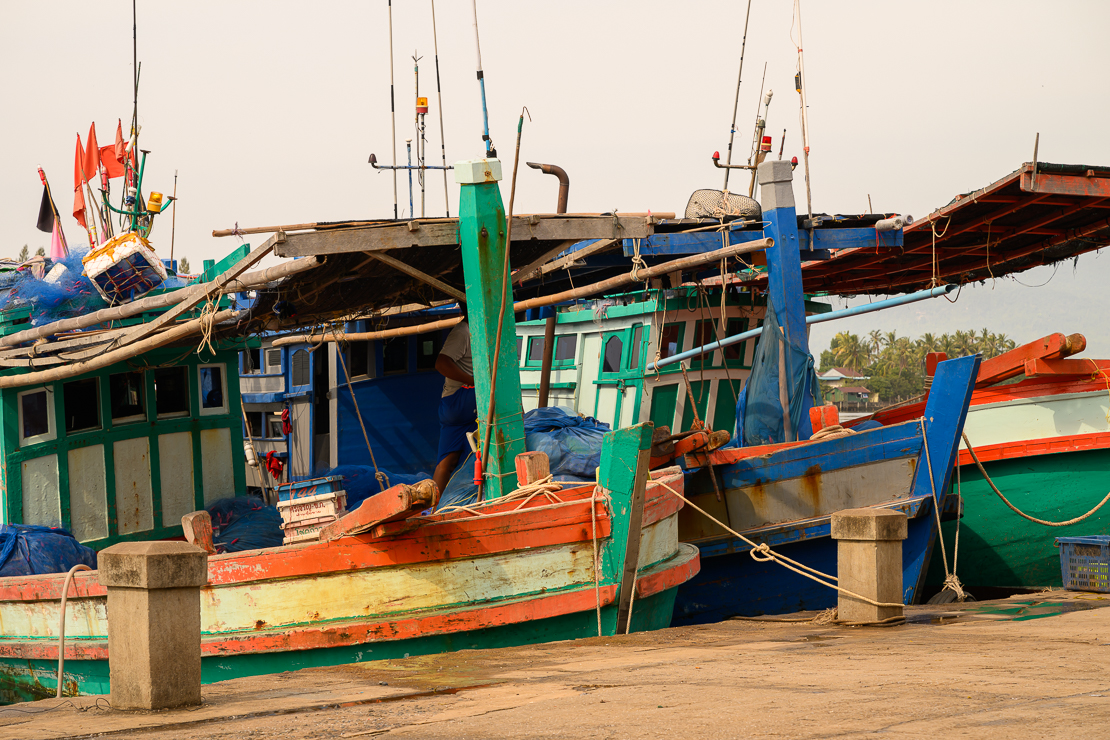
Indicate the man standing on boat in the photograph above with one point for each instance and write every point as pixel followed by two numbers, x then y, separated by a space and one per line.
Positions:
pixel 458 407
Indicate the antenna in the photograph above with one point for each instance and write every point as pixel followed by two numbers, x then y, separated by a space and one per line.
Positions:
pixel 736 102
pixel 439 102
pixel 421 142
pixel 490 151
pixel 801 85
pixel 392 111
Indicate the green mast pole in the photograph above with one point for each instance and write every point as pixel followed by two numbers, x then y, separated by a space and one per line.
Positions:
pixel 482 236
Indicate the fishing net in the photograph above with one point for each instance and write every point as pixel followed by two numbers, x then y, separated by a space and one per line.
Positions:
pixel 719 204
pixel 244 523
pixel 54 290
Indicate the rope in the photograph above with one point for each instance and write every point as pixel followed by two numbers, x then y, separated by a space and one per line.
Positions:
pixel 835 431
pixel 935 281
pixel 62 623
pixel 637 261
pixel 546 487
pixel 951 580
pixel 762 553
pixel 382 478
pixel 1015 509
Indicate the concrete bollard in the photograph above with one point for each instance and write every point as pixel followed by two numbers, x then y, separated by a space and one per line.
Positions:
pixel 153 622
pixel 869 562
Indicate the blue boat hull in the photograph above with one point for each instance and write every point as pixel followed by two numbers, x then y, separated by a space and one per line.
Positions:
pixel 733 584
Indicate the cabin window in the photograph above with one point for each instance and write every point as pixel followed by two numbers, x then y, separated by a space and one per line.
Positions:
pixel 273 361
pixel 254 423
pixel 36 416
pixel 126 394
pixel 519 348
pixel 273 423
pixel 213 389
pixel 395 355
pixel 704 333
pixel 736 352
pixel 566 347
pixel 535 351
pixel 300 364
pixel 171 392
pixel 611 357
pixel 637 340
pixel 81 404
pixel 359 354
pixel 427 350
pixel 252 361
pixel 670 341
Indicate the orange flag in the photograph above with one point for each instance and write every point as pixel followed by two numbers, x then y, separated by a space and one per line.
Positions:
pixel 92 155
pixel 121 145
pixel 108 161
pixel 78 195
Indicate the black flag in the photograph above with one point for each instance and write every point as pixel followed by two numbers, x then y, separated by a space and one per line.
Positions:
pixel 46 212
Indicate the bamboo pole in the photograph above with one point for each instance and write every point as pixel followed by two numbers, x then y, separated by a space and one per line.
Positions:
pixel 103 316
pixel 179 331
pixel 695 260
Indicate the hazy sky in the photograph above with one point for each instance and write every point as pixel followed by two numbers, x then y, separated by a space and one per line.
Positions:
pixel 269 110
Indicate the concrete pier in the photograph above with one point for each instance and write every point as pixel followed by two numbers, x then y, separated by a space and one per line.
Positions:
pixel 869 562
pixel 153 622
pixel 1032 666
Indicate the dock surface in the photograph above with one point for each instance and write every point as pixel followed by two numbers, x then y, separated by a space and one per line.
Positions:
pixel 1029 666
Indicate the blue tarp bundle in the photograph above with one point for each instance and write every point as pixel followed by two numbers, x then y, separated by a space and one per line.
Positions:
pixel 28 550
pixel 572 444
pixel 244 523
pixel 758 410
pixel 360 483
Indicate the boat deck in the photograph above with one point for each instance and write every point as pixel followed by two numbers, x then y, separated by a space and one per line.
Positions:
pixel 1030 662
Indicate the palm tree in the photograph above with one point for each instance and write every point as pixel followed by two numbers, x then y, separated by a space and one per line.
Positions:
pixel 24 254
pixel 850 352
pixel 875 343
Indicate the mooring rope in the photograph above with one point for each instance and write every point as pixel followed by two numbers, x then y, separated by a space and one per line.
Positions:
pixel 1018 511
pixel 762 553
pixel 951 580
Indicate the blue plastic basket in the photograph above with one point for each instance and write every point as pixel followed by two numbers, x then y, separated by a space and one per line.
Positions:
pixel 1085 562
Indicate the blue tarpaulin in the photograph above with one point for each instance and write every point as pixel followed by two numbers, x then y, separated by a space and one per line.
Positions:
pixel 759 417
pixel 571 442
pixel 29 550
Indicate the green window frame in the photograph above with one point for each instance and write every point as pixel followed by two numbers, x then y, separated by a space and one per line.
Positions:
pixel 534 357
pixel 673 333
pixel 741 354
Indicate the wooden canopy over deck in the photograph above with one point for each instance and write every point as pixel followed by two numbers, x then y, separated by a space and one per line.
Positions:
pixel 1034 216
pixel 372 266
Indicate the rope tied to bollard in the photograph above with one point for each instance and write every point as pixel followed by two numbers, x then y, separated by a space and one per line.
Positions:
pixel 762 553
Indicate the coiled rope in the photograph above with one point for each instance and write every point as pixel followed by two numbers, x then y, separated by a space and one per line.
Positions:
pixel 1018 511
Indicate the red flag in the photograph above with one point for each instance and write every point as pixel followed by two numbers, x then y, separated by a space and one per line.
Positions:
pixel 108 161
pixel 92 155
pixel 121 145
pixel 78 160
pixel 78 196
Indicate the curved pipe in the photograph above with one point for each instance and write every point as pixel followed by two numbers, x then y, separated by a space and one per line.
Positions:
pixel 564 182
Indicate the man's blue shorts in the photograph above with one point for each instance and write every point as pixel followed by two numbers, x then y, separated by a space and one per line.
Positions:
pixel 458 415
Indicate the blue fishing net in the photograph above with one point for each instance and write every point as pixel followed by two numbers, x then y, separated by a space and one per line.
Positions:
pixel 571 442
pixel 244 523
pixel 29 550
pixel 759 418
pixel 360 484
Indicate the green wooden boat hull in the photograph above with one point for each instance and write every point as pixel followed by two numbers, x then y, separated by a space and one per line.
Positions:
pixel 998 548
pixel 29 680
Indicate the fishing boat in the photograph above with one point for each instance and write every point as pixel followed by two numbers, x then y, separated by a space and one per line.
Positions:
pixel 518 568
pixel 1038 424
pixel 513 571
